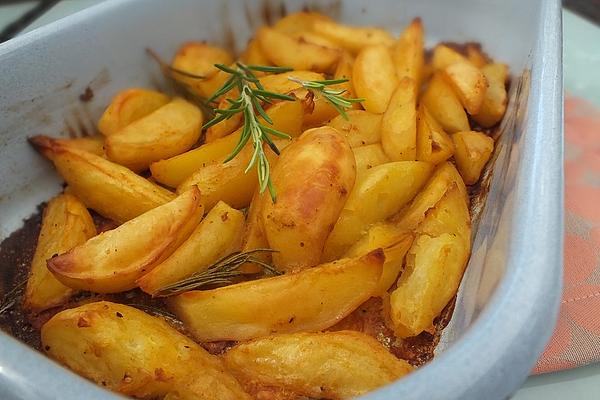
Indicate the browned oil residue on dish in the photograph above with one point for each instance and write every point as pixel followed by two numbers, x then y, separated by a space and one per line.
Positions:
pixel 87 95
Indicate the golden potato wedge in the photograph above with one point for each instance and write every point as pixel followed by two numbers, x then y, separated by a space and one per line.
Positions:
pixel 330 365
pixel 351 38
pixel 444 105
pixel 299 22
pixel 66 223
pixel 495 100
pixel 135 354
pixel 310 300
pixel 434 267
pixel 218 235
pixel 476 56
pixel 110 189
pixel 408 52
pixel 468 83
pixel 253 55
pixel 207 87
pixel 444 56
pixel 343 70
pixel 399 123
pixel 369 156
pixel 313 38
pixel 374 77
pixel 317 109
pixel 91 144
pixel 286 117
pixel 225 127
pixel 112 261
pixel 254 236
pixel 394 241
pixel 167 132
pixel 199 58
pixel 313 177
pixel 286 51
pixel 473 151
pixel 361 128
pixel 444 176
pixel 433 144
pixel 378 194
pixel 128 106
pixel 281 83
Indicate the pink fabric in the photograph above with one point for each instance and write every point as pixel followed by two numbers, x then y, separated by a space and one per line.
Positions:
pixel 576 339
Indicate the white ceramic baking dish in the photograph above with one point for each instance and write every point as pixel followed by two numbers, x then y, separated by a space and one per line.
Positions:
pixel 508 300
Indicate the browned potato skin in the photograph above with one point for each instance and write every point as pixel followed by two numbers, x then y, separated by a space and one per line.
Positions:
pixel 399 123
pixel 135 354
pixel 473 151
pixel 108 188
pixel 374 77
pixel 217 236
pixel 313 177
pixel 468 83
pixel 112 261
pixel 310 300
pixel 330 365
pixel 66 223
pixel 433 144
pixel 496 99
pixel 128 106
pixel 91 144
pixel 444 105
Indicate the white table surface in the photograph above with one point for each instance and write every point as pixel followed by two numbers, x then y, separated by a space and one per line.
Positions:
pixel 581 77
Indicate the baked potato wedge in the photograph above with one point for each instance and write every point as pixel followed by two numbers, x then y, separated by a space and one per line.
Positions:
pixel 444 105
pixel 408 52
pixel 468 83
pixel 302 21
pixel 310 300
pixel 444 55
pixel 225 127
pixel 287 51
pixel 351 38
pixel 281 83
pixel 378 194
pixel 433 144
pixel 476 56
pixel 108 188
pixel 374 77
pixel 330 365
pixel 66 223
pixel 254 236
pixel 495 101
pixel 166 132
pixel 218 235
pixel 253 55
pixel 394 241
pixel 361 128
pixel 112 261
pixel 128 106
pixel 443 178
pixel 399 123
pixel 91 144
pixel 369 156
pixel 286 117
pixel 434 265
pixel 135 354
pixel 473 151
pixel 343 70
pixel 313 177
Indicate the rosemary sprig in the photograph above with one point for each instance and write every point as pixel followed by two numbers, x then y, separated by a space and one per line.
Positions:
pixel 222 272
pixel 333 96
pixel 251 96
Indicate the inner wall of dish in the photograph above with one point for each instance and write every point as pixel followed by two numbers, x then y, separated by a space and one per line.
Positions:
pixel 45 87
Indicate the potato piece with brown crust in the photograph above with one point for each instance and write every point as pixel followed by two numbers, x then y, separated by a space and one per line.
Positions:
pixel 330 365
pixel 309 300
pixel 217 236
pixel 91 144
pixel 361 128
pixel 444 105
pixel 108 188
pixel 112 261
pixel 353 39
pixel 473 151
pixel 302 21
pixel 199 58
pixel 66 223
pixel 433 144
pixel 313 177
pixel 286 51
pixel 167 132
pixel 468 83
pixel 496 98
pixel 128 106
pixel 378 194
pixel 135 354
pixel 444 56
pixel 374 77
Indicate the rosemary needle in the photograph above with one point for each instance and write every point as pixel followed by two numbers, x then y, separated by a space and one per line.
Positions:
pixel 222 272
